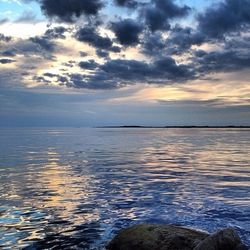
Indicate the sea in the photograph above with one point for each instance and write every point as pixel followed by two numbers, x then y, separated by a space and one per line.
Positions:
pixel 75 188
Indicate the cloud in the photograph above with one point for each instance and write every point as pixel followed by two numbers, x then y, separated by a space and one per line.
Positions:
pixel 119 73
pixel 90 36
pixel 4 20
pixel 27 17
pixel 126 72
pixel 221 61
pixel 69 10
pixel 27 47
pixel 216 103
pixel 8 53
pixel 56 33
pixel 225 17
pixel 165 49
pixel 83 53
pixel 21 47
pixel 44 43
pixel 97 81
pixel 153 44
pixel 159 12
pixel 6 60
pixel 126 3
pixel 181 39
pixel 69 64
pixel 90 65
pixel 102 53
pixel 198 103
pixel 4 38
pixel 127 31
pixel 169 70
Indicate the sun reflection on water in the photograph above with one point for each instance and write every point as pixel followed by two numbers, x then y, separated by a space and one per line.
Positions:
pixel 76 188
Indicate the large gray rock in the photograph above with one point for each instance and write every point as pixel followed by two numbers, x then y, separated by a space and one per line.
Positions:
pixel 157 237
pixel 168 237
pixel 225 239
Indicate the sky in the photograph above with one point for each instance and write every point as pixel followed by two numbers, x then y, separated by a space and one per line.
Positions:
pixel 124 62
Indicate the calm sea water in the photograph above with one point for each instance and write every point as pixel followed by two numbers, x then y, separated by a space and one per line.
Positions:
pixel 75 188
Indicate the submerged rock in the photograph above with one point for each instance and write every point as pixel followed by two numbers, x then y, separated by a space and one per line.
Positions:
pixel 169 237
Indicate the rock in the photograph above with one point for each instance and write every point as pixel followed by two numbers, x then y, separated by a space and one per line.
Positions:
pixel 157 237
pixel 225 239
pixel 168 237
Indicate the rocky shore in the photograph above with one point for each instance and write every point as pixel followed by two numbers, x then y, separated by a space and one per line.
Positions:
pixel 169 237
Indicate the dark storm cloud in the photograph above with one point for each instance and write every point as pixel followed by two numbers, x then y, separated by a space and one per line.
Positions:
pixel 153 44
pixel 6 60
pixel 95 82
pixel 127 31
pixel 223 61
pixel 5 38
pixel 80 81
pixel 30 54
pixel 90 36
pixel 49 75
pixel 155 19
pixel 168 68
pixel 26 47
pixel 90 65
pixel 69 10
pixel 115 49
pixel 153 32
pixel 69 64
pixel 56 33
pixel 132 71
pixel 121 69
pixel 120 72
pixel 49 78
pixel 41 79
pixel 8 53
pixel 159 12
pixel 181 39
pixel 238 43
pixel 126 3
pixel 39 46
pixel 225 17
pixel 102 53
pixel 44 43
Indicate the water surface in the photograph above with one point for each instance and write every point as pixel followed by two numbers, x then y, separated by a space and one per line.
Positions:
pixel 75 188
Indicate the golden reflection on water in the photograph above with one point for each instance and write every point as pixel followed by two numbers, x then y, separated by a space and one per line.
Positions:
pixel 67 189
pixel 63 191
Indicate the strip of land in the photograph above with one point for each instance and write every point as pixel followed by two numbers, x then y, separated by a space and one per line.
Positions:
pixel 132 126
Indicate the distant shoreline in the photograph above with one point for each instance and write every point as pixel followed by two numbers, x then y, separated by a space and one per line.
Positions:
pixel 128 126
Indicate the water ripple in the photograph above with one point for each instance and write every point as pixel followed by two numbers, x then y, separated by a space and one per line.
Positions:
pixel 75 188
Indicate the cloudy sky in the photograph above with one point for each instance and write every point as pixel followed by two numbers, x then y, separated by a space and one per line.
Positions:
pixel 133 62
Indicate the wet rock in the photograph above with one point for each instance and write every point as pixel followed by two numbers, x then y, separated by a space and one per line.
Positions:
pixel 157 237
pixel 225 239
pixel 168 237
